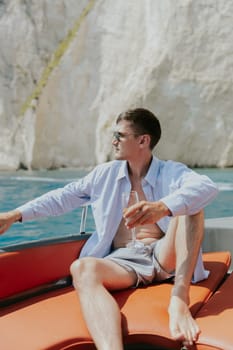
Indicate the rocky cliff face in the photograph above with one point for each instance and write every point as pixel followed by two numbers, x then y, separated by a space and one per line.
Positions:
pixel 68 67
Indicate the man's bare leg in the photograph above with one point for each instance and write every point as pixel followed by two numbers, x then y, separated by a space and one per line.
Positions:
pixel 179 250
pixel 92 278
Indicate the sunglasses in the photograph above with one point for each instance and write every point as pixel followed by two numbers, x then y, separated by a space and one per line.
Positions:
pixel 119 135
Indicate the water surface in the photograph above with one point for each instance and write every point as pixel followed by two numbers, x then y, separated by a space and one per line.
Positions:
pixel 19 187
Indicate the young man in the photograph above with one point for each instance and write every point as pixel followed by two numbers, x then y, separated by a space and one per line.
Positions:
pixel 169 229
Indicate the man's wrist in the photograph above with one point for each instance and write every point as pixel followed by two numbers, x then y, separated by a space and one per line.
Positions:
pixel 166 210
pixel 17 216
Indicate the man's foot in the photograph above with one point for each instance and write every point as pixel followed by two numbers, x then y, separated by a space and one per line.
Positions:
pixel 182 325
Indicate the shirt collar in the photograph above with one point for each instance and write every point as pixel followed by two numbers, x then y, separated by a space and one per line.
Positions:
pixel 153 171
pixel 123 171
pixel 151 175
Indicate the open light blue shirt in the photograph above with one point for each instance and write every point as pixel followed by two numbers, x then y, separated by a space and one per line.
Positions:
pixel 182 190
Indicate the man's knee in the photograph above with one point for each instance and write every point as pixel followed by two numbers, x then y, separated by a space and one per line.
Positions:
pixel 195 224
pixel 196 219
pixel 84 271
pixel 190 219
pixel 188 224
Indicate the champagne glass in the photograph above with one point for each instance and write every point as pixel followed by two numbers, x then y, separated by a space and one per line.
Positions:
pixel 128 199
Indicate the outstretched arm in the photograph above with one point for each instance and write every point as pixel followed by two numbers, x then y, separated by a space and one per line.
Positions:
pixel 52 203
pixel 9 218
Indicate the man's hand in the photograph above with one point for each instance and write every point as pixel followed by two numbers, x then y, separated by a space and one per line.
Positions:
pixel 143 213
pixel 7 219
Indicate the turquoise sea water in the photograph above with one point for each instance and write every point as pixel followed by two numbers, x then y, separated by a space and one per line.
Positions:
pixel 19 187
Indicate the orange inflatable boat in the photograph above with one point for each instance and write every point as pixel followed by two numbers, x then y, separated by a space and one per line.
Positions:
pixel 40 310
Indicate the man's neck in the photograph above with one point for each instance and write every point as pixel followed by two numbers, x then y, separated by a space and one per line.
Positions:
pixel 138 169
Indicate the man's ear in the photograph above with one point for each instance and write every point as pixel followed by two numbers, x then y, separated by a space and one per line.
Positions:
pixel 144 140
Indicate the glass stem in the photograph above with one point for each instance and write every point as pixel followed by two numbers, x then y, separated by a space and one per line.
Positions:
pixel 133 230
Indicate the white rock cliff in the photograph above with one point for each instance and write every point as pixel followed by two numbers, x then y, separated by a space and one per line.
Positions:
pixel 68 67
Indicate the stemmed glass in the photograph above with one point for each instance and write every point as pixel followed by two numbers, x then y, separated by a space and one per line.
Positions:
pixel 128 199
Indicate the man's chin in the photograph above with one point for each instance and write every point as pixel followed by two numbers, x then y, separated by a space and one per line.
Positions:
pixel 118 156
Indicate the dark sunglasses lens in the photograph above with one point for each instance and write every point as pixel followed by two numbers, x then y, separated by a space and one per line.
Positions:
pixel 117 135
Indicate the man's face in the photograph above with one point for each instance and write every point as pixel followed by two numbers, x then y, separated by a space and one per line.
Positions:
pixel 125 141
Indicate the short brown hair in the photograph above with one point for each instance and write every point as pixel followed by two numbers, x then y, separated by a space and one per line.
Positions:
pixel 143 122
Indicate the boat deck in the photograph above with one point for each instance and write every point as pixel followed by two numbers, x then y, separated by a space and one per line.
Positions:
pixel 46 319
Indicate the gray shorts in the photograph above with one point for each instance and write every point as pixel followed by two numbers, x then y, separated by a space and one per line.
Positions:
pixel 143 261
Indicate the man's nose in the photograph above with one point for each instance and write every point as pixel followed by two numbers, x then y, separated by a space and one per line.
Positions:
pixel 114 141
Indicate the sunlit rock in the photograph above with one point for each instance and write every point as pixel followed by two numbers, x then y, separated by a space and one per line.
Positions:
pixel 173 57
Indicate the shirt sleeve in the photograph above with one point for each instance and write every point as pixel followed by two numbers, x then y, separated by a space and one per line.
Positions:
pixel 59 201
pixel 185 191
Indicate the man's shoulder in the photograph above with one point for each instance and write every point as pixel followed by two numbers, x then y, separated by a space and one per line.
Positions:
pixel 112 165
pixel 171 164
pixel 171 168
